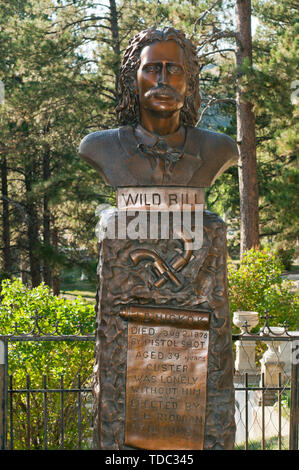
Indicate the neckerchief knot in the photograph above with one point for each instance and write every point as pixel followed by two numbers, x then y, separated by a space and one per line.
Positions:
pixel 161 150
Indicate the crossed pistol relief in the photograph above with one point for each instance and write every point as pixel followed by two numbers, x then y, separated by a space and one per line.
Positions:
pixel 164 270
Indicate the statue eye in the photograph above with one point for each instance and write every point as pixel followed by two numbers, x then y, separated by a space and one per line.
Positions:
pixel 174 68
pixel 151 68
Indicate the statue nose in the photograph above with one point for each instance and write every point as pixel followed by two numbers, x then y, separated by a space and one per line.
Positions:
pixel 163 77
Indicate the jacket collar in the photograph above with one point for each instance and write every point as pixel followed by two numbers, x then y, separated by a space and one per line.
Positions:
pixel 139 164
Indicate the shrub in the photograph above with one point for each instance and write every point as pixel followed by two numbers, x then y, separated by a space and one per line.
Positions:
pixel 256 285
pixel 286 257
pixel 53 359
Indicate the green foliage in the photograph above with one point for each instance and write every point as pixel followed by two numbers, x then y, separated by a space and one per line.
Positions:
pixel 276 72
pixel 60 62
pixel 256 285
pixel 271 86
pixel 20 304
pixel 286 256
pixel 53 359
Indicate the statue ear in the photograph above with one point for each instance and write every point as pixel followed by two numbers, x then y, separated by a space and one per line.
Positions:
pixel 134 87
pixel 189 91
pixel 189 88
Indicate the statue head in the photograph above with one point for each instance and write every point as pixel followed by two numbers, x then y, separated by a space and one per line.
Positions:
pixel 128 104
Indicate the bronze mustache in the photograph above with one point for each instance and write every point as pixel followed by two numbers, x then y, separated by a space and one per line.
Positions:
pixel 163 91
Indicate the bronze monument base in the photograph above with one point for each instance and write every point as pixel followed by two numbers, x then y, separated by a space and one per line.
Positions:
pixel 163 375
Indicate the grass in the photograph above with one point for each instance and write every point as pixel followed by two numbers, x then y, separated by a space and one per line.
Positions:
pixel 294 268
pixel 72 286
pixel 270 444
pixel 89 296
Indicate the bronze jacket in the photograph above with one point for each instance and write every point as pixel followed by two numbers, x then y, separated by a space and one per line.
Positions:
pixel 115 155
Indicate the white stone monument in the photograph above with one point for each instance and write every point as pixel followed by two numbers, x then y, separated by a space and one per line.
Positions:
pixel 245 349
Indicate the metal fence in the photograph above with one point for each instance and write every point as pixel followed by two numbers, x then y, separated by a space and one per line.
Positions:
pixel 44 391
pixel 48 415
pixel 56 415
pixel 266 388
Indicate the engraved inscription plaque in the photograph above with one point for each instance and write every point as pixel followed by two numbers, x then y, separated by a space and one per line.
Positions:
pixel 166 377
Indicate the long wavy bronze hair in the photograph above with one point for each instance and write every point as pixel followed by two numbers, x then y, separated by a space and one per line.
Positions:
pixel 127 110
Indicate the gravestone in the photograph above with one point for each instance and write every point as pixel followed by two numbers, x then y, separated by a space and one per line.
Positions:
pixel 163 375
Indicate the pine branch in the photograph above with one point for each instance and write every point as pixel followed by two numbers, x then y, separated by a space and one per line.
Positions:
pixel 215 36
pixel 211 103
pixel 217 51
pixel 202 17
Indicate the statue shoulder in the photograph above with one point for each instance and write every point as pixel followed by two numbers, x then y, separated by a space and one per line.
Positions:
pixel 97 149
pixel 217 152
pixel 92 144
pixel 216 142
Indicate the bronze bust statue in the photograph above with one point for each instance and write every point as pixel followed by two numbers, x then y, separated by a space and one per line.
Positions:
pixel 158 143
pixel 179 393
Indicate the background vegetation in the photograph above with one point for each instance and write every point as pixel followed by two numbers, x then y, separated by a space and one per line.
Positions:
pixel 30 363
pixel 256 285
pixel 59 63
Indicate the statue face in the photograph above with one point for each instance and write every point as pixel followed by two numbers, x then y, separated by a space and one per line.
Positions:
pixel 161 78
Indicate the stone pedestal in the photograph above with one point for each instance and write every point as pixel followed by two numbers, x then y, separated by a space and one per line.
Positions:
pixel 285 354
pixel 271 368
pixel 128 284
pixel 245 361
pixel 245 350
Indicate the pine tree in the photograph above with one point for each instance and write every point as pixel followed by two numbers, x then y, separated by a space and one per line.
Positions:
pixel 246 138
pixel 276 59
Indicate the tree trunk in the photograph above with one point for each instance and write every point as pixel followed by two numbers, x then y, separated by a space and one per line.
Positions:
pixel 33 242
pixel 56 280
pixel 47 275
pixel 33 246
pixel 32 230
pixel 23 269
pixel 5 219
pixel 249 217
pixel 113 19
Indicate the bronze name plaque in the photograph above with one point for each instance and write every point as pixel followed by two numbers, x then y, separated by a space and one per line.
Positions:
pixel 156 198
pixel 166 378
